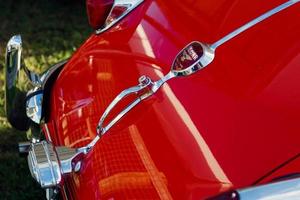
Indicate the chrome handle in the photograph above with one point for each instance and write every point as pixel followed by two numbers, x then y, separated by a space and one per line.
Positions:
pixel 142 90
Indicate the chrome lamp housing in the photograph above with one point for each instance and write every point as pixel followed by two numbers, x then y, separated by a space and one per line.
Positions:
pixel 48 164
pixel 44 165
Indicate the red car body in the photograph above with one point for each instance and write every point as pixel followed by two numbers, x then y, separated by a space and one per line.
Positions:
pixel 231 125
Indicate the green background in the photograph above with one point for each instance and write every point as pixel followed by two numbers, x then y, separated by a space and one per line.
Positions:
pixel 51 31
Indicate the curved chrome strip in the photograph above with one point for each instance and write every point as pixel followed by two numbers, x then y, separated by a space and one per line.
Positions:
pixel 253 23
pixel 287 190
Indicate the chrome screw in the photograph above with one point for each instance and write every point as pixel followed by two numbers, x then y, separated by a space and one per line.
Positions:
pixel 144 80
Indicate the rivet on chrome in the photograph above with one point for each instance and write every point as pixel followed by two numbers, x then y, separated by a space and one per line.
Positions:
pixel 77 166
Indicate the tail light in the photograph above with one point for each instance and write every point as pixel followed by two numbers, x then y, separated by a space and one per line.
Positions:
pixel 97 11
pixel 103 14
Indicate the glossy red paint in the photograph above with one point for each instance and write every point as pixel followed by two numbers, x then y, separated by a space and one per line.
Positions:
pixel 224 127
pixel 287 171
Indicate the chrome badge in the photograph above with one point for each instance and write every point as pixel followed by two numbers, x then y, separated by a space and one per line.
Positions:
pixel 191 58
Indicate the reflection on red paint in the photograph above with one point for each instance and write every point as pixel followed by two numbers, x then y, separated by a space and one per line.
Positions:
pixel 200 135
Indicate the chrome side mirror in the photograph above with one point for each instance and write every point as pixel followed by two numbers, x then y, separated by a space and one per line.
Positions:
pixel 15 105
pixel 14 96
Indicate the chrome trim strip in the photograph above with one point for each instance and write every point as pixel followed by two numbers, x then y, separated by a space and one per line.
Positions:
pixel 287 190
pixel 100 129
pixel 253 23
pixel 47 132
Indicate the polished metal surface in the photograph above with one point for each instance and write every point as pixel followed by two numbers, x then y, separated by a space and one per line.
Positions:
pixel 125 6
pixel 51 194
pixel 34 105
pixel 19 106
pixel 14 95
pixel 34 98
pixel 193 57
pixel 24 147
pixel 43 164
pixel 34 78
pixel 14 46
pixel 198 56
pixel 68 158
pixel 288 190
pixel 133 90
pixel 146 87
pixel 47 163
pixel 12 69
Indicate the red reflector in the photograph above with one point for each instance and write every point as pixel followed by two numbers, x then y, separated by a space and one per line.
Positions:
pixel 97 11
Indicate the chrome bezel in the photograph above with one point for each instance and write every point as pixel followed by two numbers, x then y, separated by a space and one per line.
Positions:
pixel 129 4
pixel 206 58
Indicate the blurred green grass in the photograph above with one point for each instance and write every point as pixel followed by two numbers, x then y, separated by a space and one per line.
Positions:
pixel 51 31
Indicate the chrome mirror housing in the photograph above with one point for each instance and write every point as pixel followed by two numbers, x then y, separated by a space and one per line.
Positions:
pixel 14 96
